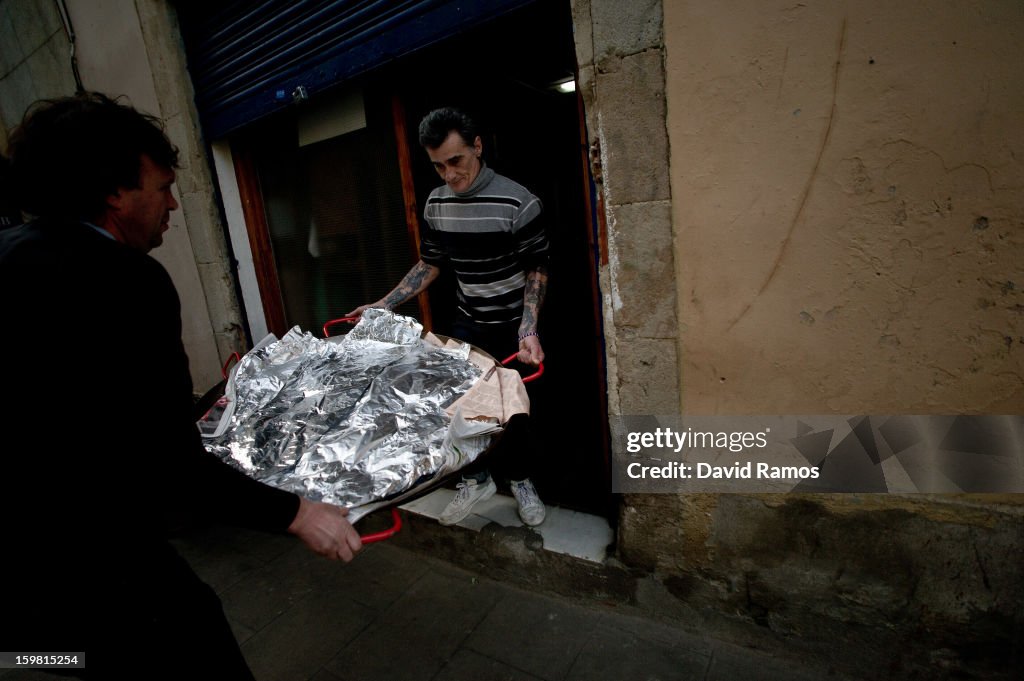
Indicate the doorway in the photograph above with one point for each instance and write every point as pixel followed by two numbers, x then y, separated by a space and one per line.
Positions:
pixel 505 73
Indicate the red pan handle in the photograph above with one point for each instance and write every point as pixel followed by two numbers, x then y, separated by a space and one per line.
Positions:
pixel 531 377
pixel 385 534
pixel 232 358
pixel 339 320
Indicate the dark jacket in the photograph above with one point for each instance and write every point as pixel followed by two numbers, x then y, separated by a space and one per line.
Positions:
pixel 100 441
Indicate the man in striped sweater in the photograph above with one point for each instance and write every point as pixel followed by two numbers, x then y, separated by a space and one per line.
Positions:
pixel 489 231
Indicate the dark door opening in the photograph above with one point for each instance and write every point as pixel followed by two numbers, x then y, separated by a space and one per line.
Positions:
pixel 505 73
pixel 335 225
pixel 335 233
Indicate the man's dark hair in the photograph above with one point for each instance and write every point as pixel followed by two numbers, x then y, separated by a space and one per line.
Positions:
pixel 69 154
pixel 436 126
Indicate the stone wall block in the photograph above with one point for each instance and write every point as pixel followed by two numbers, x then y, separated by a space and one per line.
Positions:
pixel 645 271
pixel 650 522
pixel 207 245
pixel 803 568
pixel 220 296
pixel 631 101
pixel 34 22
pixel 50 68
pixel 231 339
pixel 10 50
pixel 198 201
pixel 34 57
pixel 167 60
pixel 583 32
pixel 19 91
pixel 588 91
pixel 192 174
pixel 624 28
pixel 166 53
pixel 646 379
pixel 59 56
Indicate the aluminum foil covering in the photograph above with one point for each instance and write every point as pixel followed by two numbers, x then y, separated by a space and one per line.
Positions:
pixel 349 422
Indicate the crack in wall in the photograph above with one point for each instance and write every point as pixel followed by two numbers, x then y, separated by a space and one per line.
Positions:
pixel 981 567
pixel 784 247
pixel 607 62
pixel 31 54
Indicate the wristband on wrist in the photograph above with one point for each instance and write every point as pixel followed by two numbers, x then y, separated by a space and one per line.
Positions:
pixel 524 336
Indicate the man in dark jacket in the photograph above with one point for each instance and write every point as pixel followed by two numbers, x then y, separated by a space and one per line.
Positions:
pixel 9 213
pixel 99 440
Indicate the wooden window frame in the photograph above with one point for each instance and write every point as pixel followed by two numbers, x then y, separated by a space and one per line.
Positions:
pixel 255 216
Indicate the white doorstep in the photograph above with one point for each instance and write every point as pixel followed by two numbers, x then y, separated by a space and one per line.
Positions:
pixel 575 534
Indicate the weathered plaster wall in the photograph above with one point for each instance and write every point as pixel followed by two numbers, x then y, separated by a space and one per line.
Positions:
pixel 848 218
pixel 913 587
pixel 133 48
pixel 844 235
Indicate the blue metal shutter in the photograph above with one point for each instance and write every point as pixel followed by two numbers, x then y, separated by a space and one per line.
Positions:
pixel 247 58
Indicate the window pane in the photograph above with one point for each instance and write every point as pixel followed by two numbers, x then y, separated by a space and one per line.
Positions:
pixel 337 222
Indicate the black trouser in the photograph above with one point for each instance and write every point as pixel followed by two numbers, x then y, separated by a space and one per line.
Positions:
pixel 516 454
pixel 136 609
pixel 187 618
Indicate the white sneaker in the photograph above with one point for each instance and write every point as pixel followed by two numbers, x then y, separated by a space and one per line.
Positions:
pixel 531 508
pixel 468 493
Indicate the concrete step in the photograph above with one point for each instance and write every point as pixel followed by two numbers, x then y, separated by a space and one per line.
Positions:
pixel 580 535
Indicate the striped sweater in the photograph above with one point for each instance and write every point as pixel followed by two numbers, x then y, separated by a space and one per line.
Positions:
pixel 491 235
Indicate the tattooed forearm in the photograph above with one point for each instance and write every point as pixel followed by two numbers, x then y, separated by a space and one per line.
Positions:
pixel 533 299
pixel 418 278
